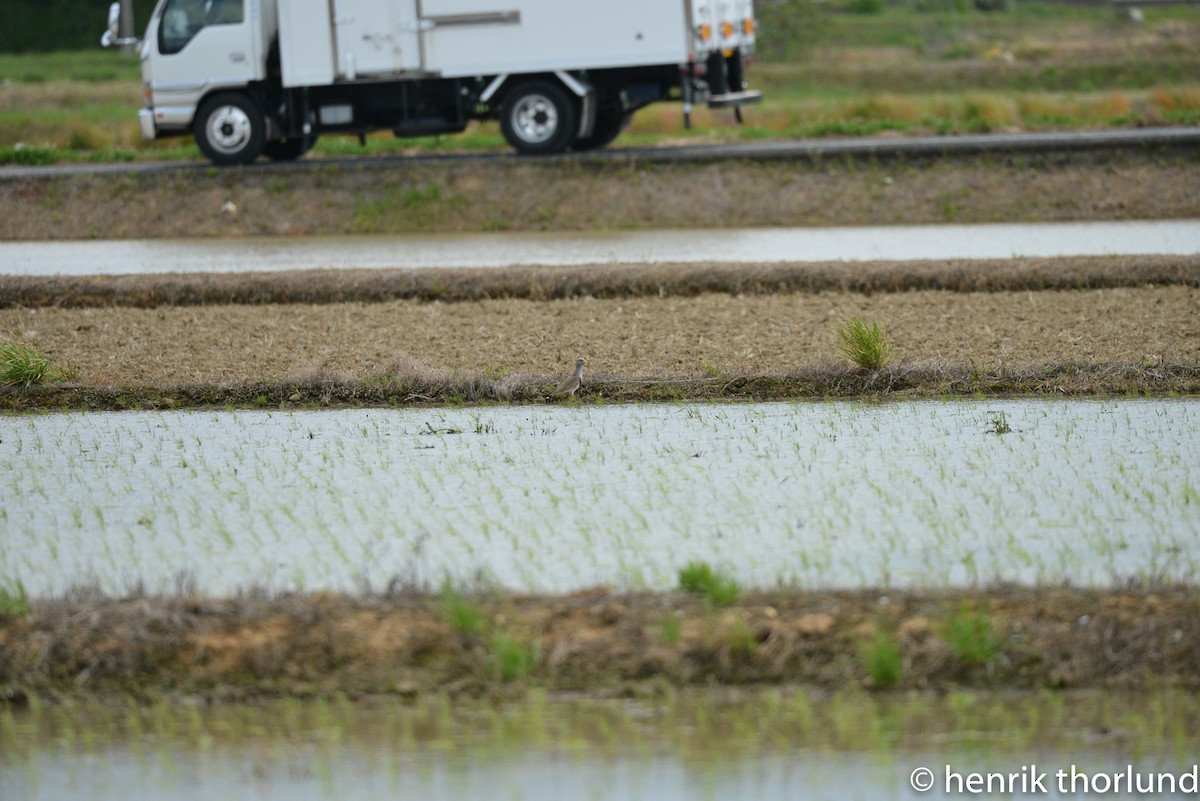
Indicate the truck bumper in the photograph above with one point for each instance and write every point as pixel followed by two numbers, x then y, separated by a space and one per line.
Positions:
pixel 146 124
pixel 734 99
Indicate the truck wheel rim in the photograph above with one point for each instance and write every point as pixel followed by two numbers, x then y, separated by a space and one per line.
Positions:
pixel 535 119
pixel 228 129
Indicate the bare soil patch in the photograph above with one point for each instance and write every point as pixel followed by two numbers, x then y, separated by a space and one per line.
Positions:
pixel 637 337
pixel 596 641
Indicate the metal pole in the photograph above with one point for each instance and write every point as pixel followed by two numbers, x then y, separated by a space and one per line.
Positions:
pixel 126 29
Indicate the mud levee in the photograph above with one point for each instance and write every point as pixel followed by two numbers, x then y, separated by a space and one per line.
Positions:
pixel 598 641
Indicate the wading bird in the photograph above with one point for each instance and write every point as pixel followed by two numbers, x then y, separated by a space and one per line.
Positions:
pixel 571 384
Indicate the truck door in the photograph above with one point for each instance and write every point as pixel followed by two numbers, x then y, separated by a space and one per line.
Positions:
pixel 201 44
pixel 376 38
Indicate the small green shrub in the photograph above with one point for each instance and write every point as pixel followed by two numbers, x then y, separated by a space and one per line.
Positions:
pixel 881 657
pixel 23 364
pixel 972 637
pixel 868 346
pixel 13 601
pixel 699 577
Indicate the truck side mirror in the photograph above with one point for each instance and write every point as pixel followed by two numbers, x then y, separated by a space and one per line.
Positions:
pixel 112 36
pixel 114 18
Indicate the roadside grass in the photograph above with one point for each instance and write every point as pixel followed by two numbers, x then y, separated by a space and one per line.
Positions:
pixel 825 73
pixel 868 346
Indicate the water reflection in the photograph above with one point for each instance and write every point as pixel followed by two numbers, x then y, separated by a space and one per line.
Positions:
pixel 768 245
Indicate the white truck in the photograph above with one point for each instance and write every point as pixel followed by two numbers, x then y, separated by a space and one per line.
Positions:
pixel 267 77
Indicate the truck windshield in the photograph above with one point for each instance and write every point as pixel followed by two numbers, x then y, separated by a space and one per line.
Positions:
pixel 183 19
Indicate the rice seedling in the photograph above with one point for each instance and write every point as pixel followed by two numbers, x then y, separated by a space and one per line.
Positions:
pixel 868 346
pixel 881 658
pixel 998 423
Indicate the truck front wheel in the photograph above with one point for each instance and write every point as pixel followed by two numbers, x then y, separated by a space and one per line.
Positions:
pixel 539 117
pixel 230 129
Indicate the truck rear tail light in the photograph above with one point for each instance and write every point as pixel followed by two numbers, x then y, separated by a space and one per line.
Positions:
pixel 726 29
pixel 748 27
pixel 705 32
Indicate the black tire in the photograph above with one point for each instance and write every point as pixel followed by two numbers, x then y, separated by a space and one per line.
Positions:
pixel 539 117
pixel 288 149
pixel 229 129
pixel 607 128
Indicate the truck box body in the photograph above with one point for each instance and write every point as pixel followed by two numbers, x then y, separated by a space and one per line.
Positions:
pixel 378 39
pixel 254 76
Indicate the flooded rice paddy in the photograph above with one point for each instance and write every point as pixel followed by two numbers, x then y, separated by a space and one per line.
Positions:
pixel 762 744
pixel 557 498
pixel 765 245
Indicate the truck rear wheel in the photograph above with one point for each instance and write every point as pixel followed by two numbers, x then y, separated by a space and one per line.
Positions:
pixel 230 129
pixel 539 117
pixel 608 127
pixel 288 149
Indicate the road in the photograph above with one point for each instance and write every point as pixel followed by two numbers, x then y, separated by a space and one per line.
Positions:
pixel 873 147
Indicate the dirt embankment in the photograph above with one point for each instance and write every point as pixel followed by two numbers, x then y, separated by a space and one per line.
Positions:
pixel 601 642
pixel 526 195
pixel 1094 326
pixel 714 345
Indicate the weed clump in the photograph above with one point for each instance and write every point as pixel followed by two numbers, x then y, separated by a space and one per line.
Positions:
pixel 14 603
pixel 972 637
pixel 881 657
pixel 464 616
pixel 23 364
pixel 513 657
pixel 868 346
pixel 699 577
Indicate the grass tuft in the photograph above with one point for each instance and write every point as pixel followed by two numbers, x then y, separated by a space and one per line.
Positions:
pixel 23 364
pixel 881 657
pixel 699 577
pixel 14 603
pixel 463 615
pixel 513 657
pixel 972 637
pixel 868 346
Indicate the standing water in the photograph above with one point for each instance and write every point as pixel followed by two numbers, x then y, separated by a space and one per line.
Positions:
pixel 552 499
